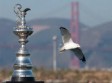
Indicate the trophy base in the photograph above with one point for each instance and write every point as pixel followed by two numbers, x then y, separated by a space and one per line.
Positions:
pixel 23 80
pixel 29 79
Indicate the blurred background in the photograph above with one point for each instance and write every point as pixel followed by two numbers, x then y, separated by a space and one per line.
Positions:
pixel 89 22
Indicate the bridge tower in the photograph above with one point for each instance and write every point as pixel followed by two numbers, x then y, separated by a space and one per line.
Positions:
pixel 74 28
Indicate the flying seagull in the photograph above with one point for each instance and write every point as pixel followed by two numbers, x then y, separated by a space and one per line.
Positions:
pixel 68 44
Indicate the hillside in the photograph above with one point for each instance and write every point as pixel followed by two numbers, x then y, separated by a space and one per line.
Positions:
pixel 100 43
pixel 95 42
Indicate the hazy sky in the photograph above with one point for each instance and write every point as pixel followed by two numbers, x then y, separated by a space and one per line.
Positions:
pixel 92 12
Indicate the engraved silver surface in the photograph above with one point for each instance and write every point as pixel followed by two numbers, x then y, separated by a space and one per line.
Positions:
pixel 22 73
pixel 21 60
pixel 23 65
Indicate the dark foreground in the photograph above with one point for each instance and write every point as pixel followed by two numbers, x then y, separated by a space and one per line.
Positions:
pixel 66 76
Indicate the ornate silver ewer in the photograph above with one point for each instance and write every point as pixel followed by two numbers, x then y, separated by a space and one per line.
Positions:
pixel 23 67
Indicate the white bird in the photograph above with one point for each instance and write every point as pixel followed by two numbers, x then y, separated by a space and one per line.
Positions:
pixel 68 44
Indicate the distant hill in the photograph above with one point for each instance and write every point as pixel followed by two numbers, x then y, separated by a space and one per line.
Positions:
pixel 95 42
pixel 7 42
pixel 100 42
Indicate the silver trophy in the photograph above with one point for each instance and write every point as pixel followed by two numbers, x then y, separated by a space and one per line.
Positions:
pixel 23 65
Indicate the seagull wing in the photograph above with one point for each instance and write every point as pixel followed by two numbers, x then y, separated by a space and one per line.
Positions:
pixel 78 52
pixel 66 36
pixel 27 9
